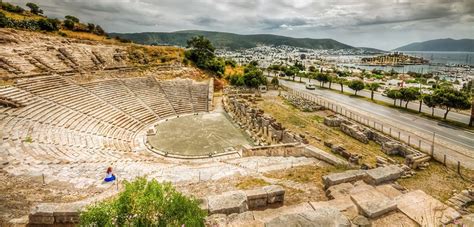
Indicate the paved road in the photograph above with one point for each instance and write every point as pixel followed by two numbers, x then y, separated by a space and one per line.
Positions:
pixel 457 137
pixel 463 118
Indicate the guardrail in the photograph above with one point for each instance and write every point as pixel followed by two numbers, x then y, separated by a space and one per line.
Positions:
pixel 431 146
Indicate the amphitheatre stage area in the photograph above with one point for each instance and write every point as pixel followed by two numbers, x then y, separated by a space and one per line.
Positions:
pixel 198 135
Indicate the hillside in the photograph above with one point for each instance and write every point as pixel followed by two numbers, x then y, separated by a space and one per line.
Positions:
pixel 466 45
pixel 229 40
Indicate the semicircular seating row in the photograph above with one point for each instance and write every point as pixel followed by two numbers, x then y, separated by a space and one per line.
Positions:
pixel 66 122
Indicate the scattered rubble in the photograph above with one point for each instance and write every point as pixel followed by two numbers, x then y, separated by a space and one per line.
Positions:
pixel 302 104
pixel 413 158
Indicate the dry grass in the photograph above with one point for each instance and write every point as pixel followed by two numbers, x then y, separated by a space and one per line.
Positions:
pixel 251 183
pixel 23 16
pixel 88 36
pixel 437 181
pixel 310 124
pixel 305 174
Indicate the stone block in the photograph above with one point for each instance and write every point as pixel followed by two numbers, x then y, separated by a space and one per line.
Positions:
pixel 383 174
pixel 319 217
pixel 228 203
pixel 361 221
pixel 425 210
pixel 372 203
pixel 275 193
pixel 339 190
pixel 344 177
pixel 42 214
pixel 256 198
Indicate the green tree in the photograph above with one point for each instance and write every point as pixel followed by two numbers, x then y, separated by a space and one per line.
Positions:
pixel 253 77
pixel 145 203
pixel 201 51
pixel 69 24
pixel 409 94
pixel 356 85
pixel 469 89
pixel 394 94
pixel 48 24
pixel 331 79
pixel 322 78
pixel 91 27
pixel 373 87
pixel 429 101
pixel 72 18
pixel 99 30
pixel 35 9
pixel 275 82
pixel 341 81
pixel 448 98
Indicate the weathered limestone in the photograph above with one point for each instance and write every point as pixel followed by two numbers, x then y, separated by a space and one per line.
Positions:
pixel 241 201
pixel 354 131
pixel 257 198
pixel 460 200
pixel 302 104
pixel 293 150
pixel 344 177
pixel 275 194
pixel 383 174
pixel 361 221
pixel 327 216
pixel 228 203
pixel 262 128
pixel 373 203
pixel 414 158
pixel 333 121
pixel 424 209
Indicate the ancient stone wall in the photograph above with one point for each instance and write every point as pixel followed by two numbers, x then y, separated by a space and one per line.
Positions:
pixel 264 129
pixel 301 103
pixel 390 146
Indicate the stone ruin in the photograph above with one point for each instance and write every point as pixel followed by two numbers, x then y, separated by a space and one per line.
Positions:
pixel 368 194
pixel 263 129
pixel 461 200
pixel 413 158
pixel 302 104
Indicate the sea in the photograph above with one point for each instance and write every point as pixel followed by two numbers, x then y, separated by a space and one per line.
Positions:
pixel 439 61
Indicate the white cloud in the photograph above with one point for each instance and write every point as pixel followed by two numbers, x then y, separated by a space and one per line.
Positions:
pixel 382 24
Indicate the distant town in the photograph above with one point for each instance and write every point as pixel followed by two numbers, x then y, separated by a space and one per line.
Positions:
pixel 390 70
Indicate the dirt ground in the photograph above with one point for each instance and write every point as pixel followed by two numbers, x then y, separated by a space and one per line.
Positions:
pixel 19 193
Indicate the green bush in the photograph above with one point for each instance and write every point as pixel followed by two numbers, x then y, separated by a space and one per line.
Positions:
pixel 12 8
pixel 48 25
pixel 69 24
pixel 145 203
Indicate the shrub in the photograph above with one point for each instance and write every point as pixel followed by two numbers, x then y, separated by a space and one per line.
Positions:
pixel 145 203
pixel 34 8
pixel 69 24
pixel 48 25
pixel 4 21
pixel 12 8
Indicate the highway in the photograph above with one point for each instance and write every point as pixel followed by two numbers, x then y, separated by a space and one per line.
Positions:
pixel 454 116
pixel 461 139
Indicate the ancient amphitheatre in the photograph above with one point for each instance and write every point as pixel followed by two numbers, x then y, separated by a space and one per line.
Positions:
pixel 71 108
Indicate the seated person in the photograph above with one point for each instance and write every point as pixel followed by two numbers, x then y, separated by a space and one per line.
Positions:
pixel 110 176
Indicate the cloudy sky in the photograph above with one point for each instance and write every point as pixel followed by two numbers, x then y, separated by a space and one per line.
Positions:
pixel 384 24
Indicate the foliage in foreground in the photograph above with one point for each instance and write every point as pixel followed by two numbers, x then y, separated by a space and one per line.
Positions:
pixel 145 203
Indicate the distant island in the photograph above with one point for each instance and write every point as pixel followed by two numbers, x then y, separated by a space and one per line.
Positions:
pixel 465 45
pixel 394 59
pixel 223 40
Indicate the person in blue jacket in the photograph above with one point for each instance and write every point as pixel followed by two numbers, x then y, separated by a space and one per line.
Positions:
pixel 110 176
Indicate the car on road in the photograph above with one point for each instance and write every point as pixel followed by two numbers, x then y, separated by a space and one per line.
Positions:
pixel 310 86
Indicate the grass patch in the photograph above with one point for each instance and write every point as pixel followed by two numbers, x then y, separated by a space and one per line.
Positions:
pixel 437 181
pixel 251 183
pixel 310 124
